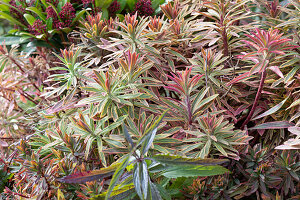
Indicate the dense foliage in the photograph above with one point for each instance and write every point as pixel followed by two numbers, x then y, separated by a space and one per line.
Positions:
pixel 145 99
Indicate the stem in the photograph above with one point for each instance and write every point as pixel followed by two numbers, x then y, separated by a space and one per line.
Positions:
pixel 224 33
pixel 257 97
pixel 8 138
pixel 16 63
pixel 27 96
pixel 189 109
pixel 225 42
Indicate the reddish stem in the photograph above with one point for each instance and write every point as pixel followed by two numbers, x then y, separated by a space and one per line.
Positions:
pixel 8 138
pixel 27 96
pixel 257 97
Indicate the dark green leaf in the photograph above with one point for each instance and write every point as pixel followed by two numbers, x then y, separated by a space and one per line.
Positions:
pixel 154 192
pixel 127 136
pixel 178 160
pixel 194 171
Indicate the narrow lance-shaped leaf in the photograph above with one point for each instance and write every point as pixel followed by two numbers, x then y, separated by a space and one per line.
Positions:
pixel 194 171
pixel 141 179
pixel 273 125
pixel 37 11
pixel 29 18
pixel 100 151
pixel 277 71
pixel 137 180
pixel 205 101
pixel 119 171
pixel 127 136
pixel 147 144
pixel 272 110
pixel 178 160
pixel 82 177
pixel 154 125
pixel 154 192
pixel 295 103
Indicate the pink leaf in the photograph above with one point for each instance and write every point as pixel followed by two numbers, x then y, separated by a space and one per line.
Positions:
pixel 277 71
pixel 240 77
pixel 3 143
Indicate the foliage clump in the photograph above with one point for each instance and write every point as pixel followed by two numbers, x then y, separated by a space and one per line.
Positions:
pixel 150 100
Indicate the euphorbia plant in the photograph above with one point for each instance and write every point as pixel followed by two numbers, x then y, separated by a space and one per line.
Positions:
pixel 265 46
pixel 141 166
pixel 190 104
pixel 102 123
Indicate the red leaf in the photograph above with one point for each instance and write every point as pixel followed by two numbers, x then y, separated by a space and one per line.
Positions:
pixel 82 177
pixel 240 77
pixel 23 99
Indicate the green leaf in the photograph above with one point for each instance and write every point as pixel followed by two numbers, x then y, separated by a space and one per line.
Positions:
pixel 100 151
pixel 205 150
pixel 137 180
pixel 151 128
pixel 2 65
pixel 49 23
pixel 289 62
pixel 178 160
pixel 178 55
pixel 220 148
pixel 122 6
pixel 148 142
pixel 114 125
pixel 295 103
pixel 273 125
pixel 124 192
pixel 127 136
pixel 11 40
pixel 125 162
pixel 141 179
pixel 78 16
pixel 105 14
pixel 8 17
pixel 131 4
pixel 103 3
pixel 291 74
pixel 154 192
pixel 88 147
pixel 272 110
pixel 162 191
pixel 119 171
pixel 6 3
pixel 157 3
pixel 121 17
pixel 194 171
pixel 4 7
pixel 37 11
pixel 205 101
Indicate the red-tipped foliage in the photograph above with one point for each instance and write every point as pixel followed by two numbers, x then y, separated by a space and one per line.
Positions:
pixel 183 83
